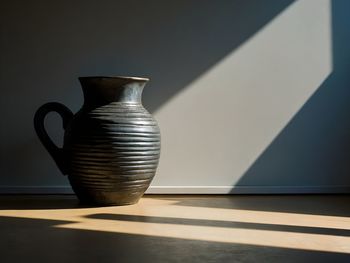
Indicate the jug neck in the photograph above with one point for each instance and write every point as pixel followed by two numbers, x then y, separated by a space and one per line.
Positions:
pixel 100 91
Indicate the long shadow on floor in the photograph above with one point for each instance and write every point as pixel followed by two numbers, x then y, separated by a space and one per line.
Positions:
pixel 329 205
pixel 225 224
pixel 38 240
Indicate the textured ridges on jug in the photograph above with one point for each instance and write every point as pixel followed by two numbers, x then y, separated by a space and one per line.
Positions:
pixel 114 148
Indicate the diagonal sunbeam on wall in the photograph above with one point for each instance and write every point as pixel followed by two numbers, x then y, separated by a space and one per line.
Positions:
pixel 244 101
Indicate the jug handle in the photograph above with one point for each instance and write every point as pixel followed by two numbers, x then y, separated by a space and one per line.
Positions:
pixel 66 115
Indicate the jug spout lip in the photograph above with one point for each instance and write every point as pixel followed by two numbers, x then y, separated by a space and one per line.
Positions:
pixel 116 77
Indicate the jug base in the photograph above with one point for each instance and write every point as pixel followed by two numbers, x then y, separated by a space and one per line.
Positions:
pixel 96 198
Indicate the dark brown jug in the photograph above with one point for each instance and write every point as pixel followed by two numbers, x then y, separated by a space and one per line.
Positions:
pixel 111 145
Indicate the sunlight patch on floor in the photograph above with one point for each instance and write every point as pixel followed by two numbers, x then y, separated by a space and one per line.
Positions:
pixel 143 215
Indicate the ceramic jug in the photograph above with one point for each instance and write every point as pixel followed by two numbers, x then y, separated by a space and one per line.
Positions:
pixel 111 145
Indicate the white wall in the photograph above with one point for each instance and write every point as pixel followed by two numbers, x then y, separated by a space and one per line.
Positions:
pixel 250 97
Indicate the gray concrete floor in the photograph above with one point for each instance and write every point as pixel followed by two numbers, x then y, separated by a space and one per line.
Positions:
pixel 176 228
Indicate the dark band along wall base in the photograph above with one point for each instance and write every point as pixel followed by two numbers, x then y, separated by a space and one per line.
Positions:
pixel 112 144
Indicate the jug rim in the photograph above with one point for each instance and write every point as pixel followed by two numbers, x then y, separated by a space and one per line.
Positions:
pixel 116 77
